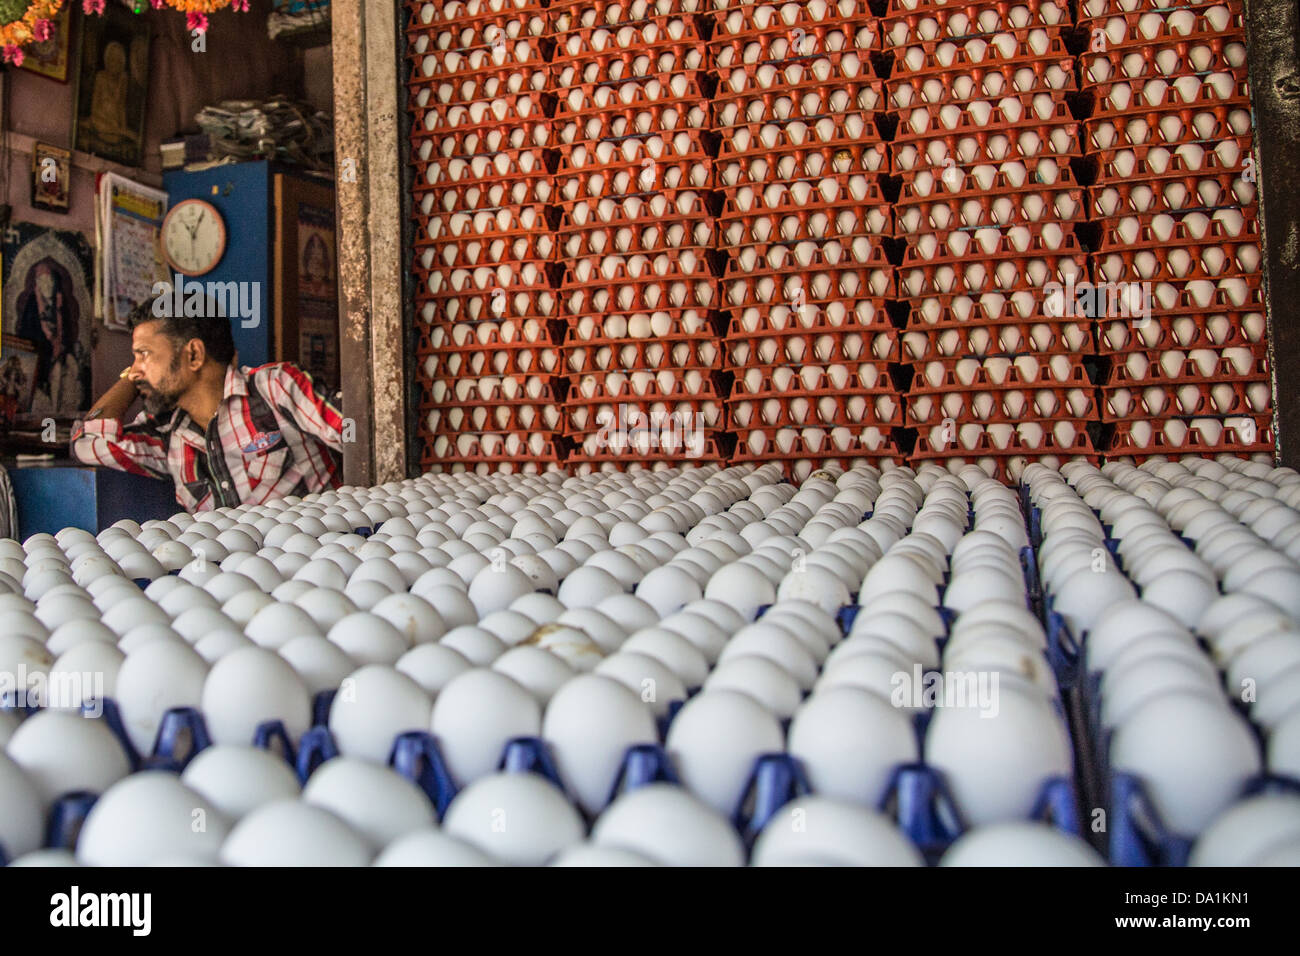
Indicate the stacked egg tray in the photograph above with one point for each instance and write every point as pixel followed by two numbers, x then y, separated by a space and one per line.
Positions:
pixel 1170 135
pixel 908 676
pixel 986 144
pixel 491 385
pixel 1195 638
pixel 700 229
pixel 809 344
pixel 638 288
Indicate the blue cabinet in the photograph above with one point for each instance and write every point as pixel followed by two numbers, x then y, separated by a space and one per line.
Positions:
pixel 62 494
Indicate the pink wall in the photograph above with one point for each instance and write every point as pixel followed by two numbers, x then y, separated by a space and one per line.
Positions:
pixel 239 62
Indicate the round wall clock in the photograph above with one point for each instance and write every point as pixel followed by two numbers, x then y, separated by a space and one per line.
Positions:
pixel 193 237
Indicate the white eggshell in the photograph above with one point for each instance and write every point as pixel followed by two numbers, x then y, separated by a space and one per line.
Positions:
pixel 667 824
pixel 996 761
pixel 1248 830
pixel 294 833
pixel 1193 753
pixel 373 706
pixel 475 714
pixel 249 687
pixel 377 802
pixel 715 739
pixel 239 779
pixel 519 818
pixel 1020 843
pixel 590 723
pixel 432 847
pixel 62 752
pixel 22 813
pixel 819 830
pixel 149 816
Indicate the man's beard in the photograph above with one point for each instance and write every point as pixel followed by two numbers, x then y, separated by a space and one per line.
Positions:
pixel 158 401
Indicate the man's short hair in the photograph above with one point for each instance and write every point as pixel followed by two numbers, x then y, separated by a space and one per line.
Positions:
pixel 211 328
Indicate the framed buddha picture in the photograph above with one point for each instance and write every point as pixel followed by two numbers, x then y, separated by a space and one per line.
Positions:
pixel 112 86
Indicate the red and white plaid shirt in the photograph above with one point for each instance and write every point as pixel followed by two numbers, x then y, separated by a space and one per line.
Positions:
pixel 281 438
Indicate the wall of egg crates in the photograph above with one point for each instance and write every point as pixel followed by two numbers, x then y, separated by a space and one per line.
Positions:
pixel 821 231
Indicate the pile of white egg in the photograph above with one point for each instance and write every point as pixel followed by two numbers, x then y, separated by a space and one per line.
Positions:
pixel 588 612
pixel 1189 631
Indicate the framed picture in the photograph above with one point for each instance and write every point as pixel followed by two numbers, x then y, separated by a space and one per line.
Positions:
pixel 47 310
pixel 51 177
pixel 112 83
pixel 306 279
pixel 49 58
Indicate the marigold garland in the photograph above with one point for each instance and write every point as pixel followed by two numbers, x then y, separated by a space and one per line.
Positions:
pixel 27 21
pixel 23 22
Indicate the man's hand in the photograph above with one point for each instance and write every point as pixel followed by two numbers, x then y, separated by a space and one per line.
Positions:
pixel 115 401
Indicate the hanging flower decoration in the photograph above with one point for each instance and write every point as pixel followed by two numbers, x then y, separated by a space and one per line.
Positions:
pixel 23 22
pixel 196 11
pixel 31 21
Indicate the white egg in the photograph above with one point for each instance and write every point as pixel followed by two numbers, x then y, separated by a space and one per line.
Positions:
pixel 590 723
pixel 741 587
pixel 588 855
pixel 294 833
pixel 22 813
pixel 495 587
pixel 828 832
pixel 249 687
pixel 369 639
pixel 373 706
pixel 1248 830
pixel 474 716
pixel 672 650
pixel 1193 753
pixel 664 823
pixel 849 741
pixel 762 679
pixel 519 818
pixel 1284 747
pixel 1020 843
pixel 477 645
pixel 149 816
pixel 239 779
pixel 377 802
pixel 431 847
pixel 276 624
pixel 319 664
pixel 63 752
pixel 153 679
pixel 646 676
pixel 587 587
pixel 715 739
pixel 997 760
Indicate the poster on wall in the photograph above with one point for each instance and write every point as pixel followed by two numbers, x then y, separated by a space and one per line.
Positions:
pixel 317 294
pixel 129 225
pixel 45 312
pixel 112 83
pixel 51 178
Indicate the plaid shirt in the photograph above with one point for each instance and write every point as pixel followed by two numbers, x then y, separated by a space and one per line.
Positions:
pixel 280 437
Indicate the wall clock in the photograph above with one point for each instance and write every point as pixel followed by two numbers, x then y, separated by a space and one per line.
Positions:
pixel 193 237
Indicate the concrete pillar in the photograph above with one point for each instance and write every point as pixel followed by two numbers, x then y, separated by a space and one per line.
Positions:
pixel 368 168
pixel 1272 29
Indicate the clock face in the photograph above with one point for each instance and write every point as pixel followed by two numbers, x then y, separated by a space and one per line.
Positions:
pixel 193 237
